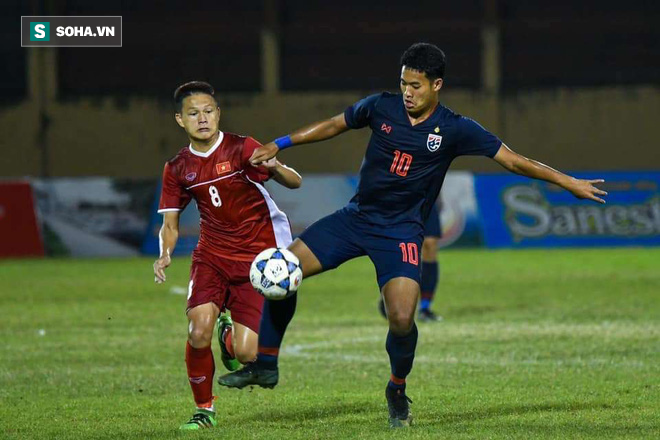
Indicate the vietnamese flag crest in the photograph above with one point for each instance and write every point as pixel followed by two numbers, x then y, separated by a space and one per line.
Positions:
pixel 223 168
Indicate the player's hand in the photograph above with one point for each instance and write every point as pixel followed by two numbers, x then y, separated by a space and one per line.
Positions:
pixel 264 153
pixel 159 268
pixel 585 189
pixel 270 164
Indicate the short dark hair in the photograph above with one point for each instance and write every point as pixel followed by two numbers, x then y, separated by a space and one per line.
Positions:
pixel 191 88
pixel 425 57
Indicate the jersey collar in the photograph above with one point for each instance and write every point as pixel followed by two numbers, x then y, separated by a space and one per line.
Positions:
pixel 420 124
pixel 211 150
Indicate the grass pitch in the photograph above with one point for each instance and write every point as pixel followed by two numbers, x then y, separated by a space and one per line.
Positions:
pixel 535 344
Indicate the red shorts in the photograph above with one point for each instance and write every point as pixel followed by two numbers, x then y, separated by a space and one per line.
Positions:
pixel 226 283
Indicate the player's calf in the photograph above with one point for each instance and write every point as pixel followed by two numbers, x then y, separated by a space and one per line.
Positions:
pixel 245 355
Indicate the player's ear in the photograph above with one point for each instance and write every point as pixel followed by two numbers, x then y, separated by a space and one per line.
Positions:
pixel 437 84
pixel 177 117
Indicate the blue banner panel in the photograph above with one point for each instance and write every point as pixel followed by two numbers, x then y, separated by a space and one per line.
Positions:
pixel 188 229
pixel 519 212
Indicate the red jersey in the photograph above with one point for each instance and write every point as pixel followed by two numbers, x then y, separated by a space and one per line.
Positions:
pixel 238 218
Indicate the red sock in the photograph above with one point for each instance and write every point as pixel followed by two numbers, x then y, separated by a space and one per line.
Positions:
pixel 228 344
pixel 200 365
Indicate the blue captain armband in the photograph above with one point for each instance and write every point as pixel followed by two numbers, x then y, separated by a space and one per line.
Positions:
pixel 283 142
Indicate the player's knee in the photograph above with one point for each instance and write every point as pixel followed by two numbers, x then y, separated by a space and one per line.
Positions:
pixel 245 355
pixel 400 322
pixel 200 337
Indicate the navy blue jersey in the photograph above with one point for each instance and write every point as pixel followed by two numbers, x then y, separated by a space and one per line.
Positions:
pixel 404 165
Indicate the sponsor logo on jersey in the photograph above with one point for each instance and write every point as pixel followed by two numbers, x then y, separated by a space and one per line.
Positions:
pixel 223 168
pixel 191 176
pixel 433 142
pixel 386 128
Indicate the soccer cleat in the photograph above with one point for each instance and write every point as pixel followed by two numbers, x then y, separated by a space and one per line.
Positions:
pixel 427 315
pixel 381 308
pixel 202 419
pixel 398 405
pixel 250 374
pixel 225 325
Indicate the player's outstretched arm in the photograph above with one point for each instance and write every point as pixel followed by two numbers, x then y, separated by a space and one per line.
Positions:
pixel 168 235
pixel 516 163
pixel 316 132
pixel 282 174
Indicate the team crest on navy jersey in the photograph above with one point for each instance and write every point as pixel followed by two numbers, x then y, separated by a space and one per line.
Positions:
pixel 433 142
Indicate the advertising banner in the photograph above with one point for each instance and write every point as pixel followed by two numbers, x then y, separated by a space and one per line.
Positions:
pixel 94 216
pixel 19 232
pixel 519 212
pixel 188 228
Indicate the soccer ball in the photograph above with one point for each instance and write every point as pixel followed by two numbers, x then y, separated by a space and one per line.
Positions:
pixel 276 273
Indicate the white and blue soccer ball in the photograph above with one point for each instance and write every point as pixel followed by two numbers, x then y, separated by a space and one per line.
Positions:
pixel 276 273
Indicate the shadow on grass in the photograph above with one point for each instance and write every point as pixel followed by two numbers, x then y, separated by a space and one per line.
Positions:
pixel 443 418
pixel 327 412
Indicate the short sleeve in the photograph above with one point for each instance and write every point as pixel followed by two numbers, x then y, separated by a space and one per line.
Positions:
pixel 476 140
pixel 359 114
pixel 173 197
pixel 258 174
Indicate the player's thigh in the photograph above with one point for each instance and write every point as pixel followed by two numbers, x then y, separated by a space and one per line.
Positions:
pixel 208 281
pixel 430 249
pixel 328 243
pixel 308 261
pixel 245 304
pixel 400 295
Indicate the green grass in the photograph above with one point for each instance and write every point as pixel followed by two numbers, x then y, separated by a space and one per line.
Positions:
pixel 535 344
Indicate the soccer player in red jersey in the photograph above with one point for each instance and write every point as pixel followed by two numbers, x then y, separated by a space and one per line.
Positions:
pixel 238 219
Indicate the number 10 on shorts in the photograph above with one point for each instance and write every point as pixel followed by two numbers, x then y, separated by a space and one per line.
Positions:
pixel 410 254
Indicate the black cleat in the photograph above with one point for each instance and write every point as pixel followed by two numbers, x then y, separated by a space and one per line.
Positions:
pixel 427 315
pixel 381 308
pixel 250 374
pixel 398 405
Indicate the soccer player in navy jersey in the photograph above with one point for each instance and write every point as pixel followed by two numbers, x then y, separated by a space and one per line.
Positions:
pixel 238 219
pixel 414 140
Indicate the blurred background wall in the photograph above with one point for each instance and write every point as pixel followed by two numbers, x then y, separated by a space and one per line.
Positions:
pixel 574 84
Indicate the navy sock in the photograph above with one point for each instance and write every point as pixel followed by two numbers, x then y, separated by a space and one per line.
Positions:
pixel 274 321
pixel 402 353
pixel 428 283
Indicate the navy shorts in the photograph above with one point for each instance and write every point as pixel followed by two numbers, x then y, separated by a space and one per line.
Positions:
pixel 432 227
pixel 343 235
